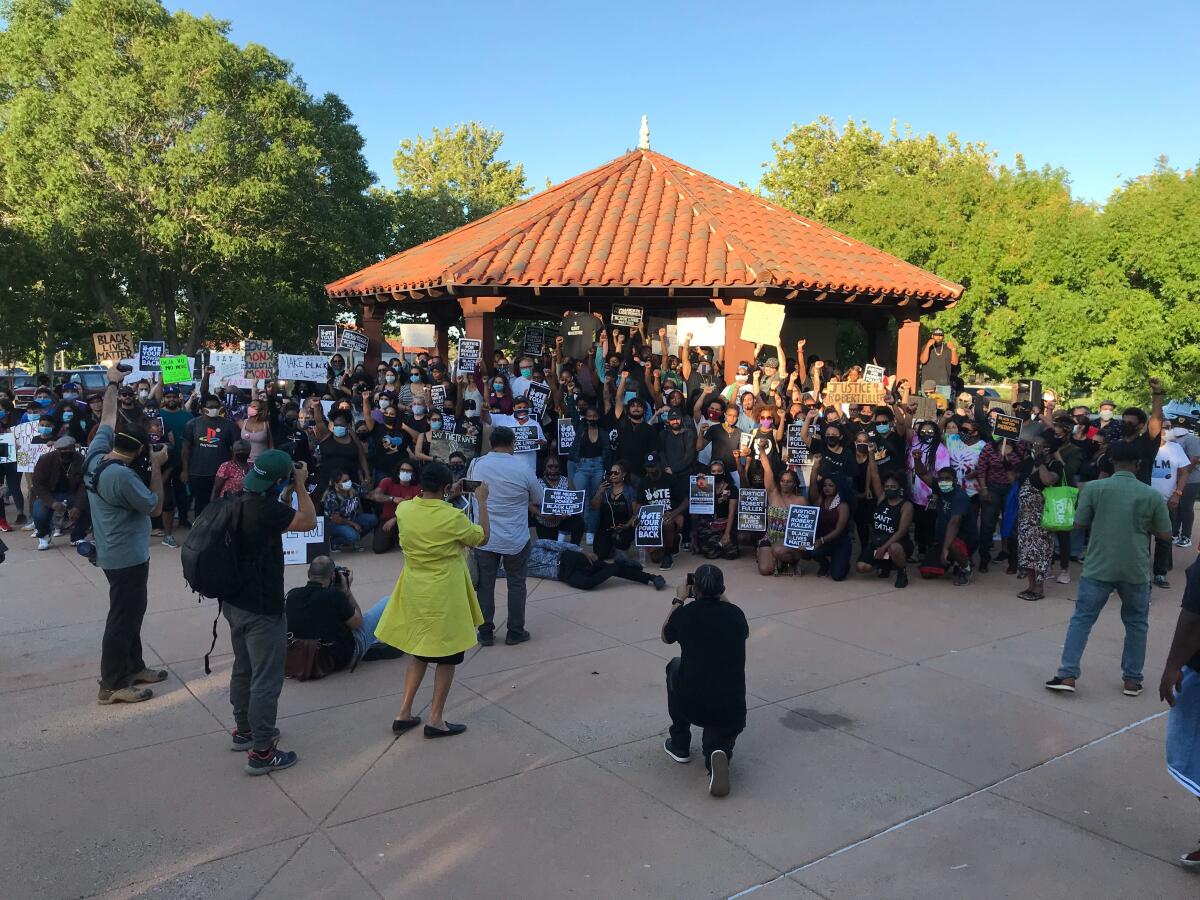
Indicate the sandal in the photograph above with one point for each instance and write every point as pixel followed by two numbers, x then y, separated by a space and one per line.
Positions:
pixel 399 726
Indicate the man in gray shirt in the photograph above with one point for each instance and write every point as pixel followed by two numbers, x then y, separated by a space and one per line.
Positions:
pixel 1184 515
pixel 512 486
pixel 121 508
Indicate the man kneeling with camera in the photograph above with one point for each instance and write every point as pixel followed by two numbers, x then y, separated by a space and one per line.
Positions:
pixel 325 610
pixel 706 684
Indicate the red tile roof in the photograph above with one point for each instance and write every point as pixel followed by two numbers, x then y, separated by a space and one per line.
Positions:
pixel 645 220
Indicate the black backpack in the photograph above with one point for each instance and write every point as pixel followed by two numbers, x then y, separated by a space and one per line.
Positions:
pixel 210 555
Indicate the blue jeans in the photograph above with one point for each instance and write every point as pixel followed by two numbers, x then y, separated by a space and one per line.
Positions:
pixel 837 554
pixel 43 518
pixel 586 475
pixel 342 535
pixel 1135 613
pixel 364 637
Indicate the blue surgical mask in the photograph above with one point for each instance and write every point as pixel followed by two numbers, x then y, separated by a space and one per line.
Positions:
pixel 418 410
pixel 43 401
pixel 436 424
pixel 70 395
pixel 339 430
pixel 882 427
pixel 67 415
pixel 45 430
pixel 945 486
pixel 526 372
pixel 415 379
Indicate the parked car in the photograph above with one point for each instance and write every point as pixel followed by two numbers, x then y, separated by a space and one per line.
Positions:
pixel 90 381
pixel 1186 410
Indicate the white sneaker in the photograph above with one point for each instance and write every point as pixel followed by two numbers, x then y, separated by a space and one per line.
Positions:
pixel 591 539
pixel 28 526
pixel 1184 542
pixel 1063 578
pixel 44 543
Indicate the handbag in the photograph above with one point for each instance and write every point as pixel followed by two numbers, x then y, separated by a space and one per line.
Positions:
pixel 1058 509
pixel 306 659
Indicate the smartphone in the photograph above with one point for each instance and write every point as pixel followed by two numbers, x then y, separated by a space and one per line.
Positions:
pixel 469 486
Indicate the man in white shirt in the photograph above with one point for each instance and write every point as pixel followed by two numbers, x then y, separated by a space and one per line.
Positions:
pixel 512 486
pixel 1172 466
pixel 522 416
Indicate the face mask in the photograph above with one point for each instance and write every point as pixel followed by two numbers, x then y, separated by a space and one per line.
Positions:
pixel 211 413
pixel 339 430
pixel 833 440
pixel 70 395
pixel 43 401
pixel 415 379
pixel 346 485
pixel 925 437
pixel 498 387
pixel 767 423
pixel 45 430
pixel 1131 429
pixel 862 448
pixel 67 416
pixel 405 477
pixel 240 457
pixel 502 368
pixel 338 367
pixel 882 428
pixel 395 440
pixel 526 372
pixel 436 425
pixel 891 493
pixel 142 395
pixel 458 469
pixel 1106 415
pixel 292 418
pixel 384 402
pixel 418 410
pixel 389 378
pixel 65 455
pixel 592 423
pixel 945 486
pixel 705 368
pixel 521 414
pixel 740 378
pixel 252 411
pixel 713 416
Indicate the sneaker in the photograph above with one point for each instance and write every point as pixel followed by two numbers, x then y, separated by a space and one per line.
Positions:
pixel 718 774
pixel 1061 684
pixel 170 541
pixel 964 576
pixel 984 562
pixel 56 533
pixel 157 532
pixel 1131 689
pixel 4 526
pixel 1190 860
pixel 485 638
pixel 44 543
pixel 678 757
pixel 659 582
pixel 263 762
pixel 150 676
pixel 1160 581
pixel 244 740
pixel 1063 577
pixel 516 636
pixel 1184 542
pixel 75 542
pixel 124 695
pixel 667 561
pixel 902 578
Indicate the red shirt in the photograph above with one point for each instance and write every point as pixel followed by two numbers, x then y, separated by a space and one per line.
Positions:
pixel 234 475
pixel 400 491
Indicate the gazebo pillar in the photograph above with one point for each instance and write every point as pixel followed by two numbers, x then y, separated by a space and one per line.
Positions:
pixel 478 318
pixel 736 349
pixel 371 324
pixel 908 350
pixel 441 339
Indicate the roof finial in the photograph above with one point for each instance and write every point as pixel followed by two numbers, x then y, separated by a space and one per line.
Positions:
pixel 644 134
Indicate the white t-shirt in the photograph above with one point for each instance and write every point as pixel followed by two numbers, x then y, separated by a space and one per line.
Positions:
pixel 1171 457
pixel 529 456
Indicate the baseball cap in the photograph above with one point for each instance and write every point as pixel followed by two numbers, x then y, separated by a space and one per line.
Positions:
pixel 170 390
pixel 938 331
pixel 70 386
pixel 1104 403
pixel 771 363
pixel 674 414
pixel 66 442
pixel 270 466
pixel 653 459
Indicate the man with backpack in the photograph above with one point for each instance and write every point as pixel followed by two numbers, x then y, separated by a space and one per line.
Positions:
pixel 252 598
pixel 121 508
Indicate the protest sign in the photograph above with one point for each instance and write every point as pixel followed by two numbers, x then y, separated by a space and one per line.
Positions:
pixel 175 369
pixel 801 529
pixel 797 450
pixel 302 547
pixel 437 396
pixel 469 351
pixel 27 452
pixel 926 409
pixel 462 443
pixel 526 439
pixel 752 510
pixel 1007 427
pixel 1000 406
pixel 705 332
pixel 702 495
pixel 562 502
pixel 744 440
pixel 113 345
pixel 763 322
pixel 872 374
pixel 8 448
pixel 648 530
pixel 227 364
pixel 302 368
pixel 566 436
pixel 856 393
pixel 327 339
pixel 626 316
pixel 199 364
pixel 538 395
pixel 148 354
pixel 534 342
pixel 656 345
pixel 354 341
pixel 414 334
pixel 258 359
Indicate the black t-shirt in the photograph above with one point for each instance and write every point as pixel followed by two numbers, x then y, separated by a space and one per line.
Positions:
pixel 211 443
pixel 889 453
pixel 260 555
pixel 724 444
pixel 956 503
pixel 579 333
pixel 1147 452
pixel 320 613
pixel 712 669
pixel 840 462
pixel 725 492
pixel 666 491
pixel 634 441
pixel 1191 602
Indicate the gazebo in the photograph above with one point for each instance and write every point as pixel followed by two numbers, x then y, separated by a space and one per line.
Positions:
pixel 646 230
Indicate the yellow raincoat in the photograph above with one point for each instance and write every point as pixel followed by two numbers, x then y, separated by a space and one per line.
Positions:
pixel 433 610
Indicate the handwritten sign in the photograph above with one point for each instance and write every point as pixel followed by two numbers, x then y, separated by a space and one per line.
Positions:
pixel 626 316
pixel 28 453
pixel 927 409
pixel 469 351
pixel 855 393
pixel 800 533
pixel 538 395
pixel 113 345
pixel 872 374
pixel 648 530
pixel 763 322
pixel 797 451
pixel 302 547
pixel 526 439
pixel 302 368
pixel 1007 427
pixel 326 339
pixel 566 436
pixel 258 358
pixel 175 369
pixel 534 342
pixel 702 496
pixel 354 341
pixel 148 354
pixel 562 502
pixel 752 510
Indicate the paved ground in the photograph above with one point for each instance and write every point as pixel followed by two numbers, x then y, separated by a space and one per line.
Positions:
pixel 900 744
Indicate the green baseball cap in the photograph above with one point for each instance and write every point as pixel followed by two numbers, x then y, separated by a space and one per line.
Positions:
pixel 270 467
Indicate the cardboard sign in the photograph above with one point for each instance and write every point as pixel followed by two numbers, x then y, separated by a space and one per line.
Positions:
pixel 148 354
pixel 469 351
pixel 538 395
pixel 763 322
pixel 417 335
pixel 800 533
pixel 562 502
pixel 702 497
pixel 354 341
pixel 437 396
pixel 926 409
pixel 175 369
pixel 526 439
pixel 566 436
pixel 27 452
pixel 626 316
pixel 302 547
pixel 534 342
pixel 462 443
pixel 1007 427
pixel 648 530
pixel 872 374
pixel 752 510
pixel 258 359
pixel 229 364
pixel 302 368
pixel 796 450
pixel 704 332
pixel 327 341
pixel 113 345
pixel 856 393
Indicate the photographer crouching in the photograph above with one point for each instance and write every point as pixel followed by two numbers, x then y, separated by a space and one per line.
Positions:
pixel 706 683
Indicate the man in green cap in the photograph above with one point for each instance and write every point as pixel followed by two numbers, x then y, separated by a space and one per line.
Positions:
pixel 257 625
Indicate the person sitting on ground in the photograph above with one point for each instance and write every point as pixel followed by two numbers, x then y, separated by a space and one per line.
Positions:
pixel 659 488
pixel 617 504
pixel 713 535
pixel 889 544
pixel 572 565
pixel 550 527
pixel 831 547
pixel 955 531
pixel 325 610
pixel 389 494
pixel 58 487
pixel 706 683
pixel 784 492
pixel 348 522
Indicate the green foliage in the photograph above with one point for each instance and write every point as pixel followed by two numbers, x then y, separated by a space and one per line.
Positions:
pixel 1090 300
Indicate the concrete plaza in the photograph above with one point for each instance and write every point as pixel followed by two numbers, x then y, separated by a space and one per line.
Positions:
pixel 899 745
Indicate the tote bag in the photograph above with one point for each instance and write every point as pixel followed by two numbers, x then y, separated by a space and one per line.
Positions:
pixel 1058 511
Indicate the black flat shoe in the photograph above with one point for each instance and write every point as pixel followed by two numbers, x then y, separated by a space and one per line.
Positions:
pixel 399 726
pixel 486 638
pixel 449 731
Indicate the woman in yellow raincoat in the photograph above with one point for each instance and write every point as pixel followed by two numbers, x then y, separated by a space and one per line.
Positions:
pixel 433 612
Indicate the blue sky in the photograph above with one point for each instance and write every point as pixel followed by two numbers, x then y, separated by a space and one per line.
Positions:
pixel 1101 89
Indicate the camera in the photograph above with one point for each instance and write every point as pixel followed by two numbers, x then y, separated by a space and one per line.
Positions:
pixel 342 574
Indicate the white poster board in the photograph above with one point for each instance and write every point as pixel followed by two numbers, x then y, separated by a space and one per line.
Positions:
pixel 302 368
pixel 763 322
pixel 705 333
pixel 417 335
